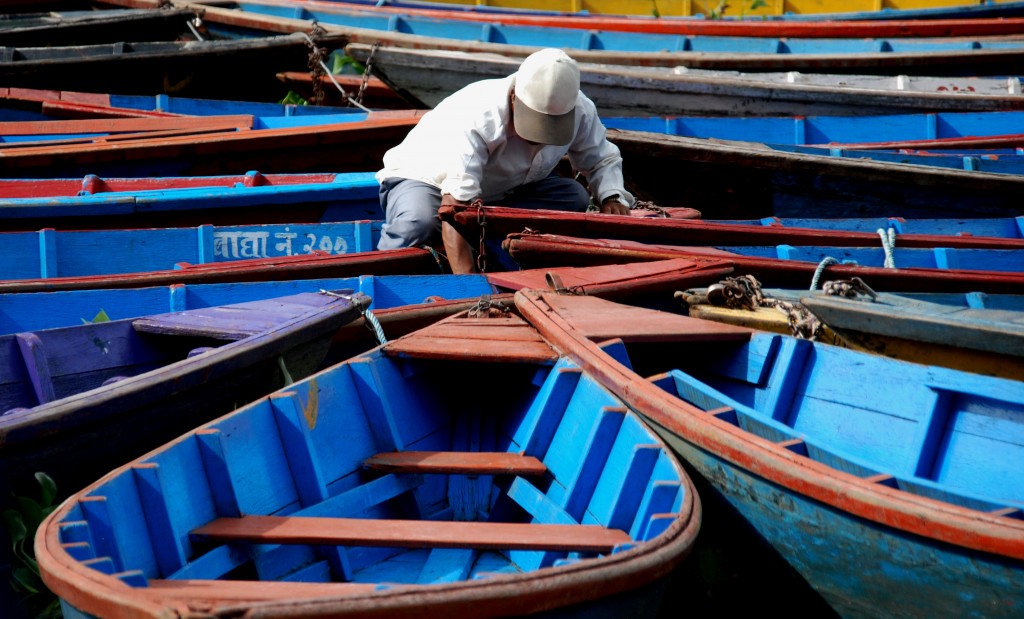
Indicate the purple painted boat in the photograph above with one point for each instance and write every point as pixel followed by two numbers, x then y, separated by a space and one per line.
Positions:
pixel 78 401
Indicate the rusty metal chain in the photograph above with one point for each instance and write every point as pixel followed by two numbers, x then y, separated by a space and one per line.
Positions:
pixel 316 62
pixel 849 288
pixel 366 73
pixel 644 205
pixel 481 221
pixel 744 292
pixel 486 307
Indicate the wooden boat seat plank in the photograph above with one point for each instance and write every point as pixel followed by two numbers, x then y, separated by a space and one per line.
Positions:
pixel 457 462
pixel 503 338
pixel 425 347
pixel 413 533
pixel 573 277
pixel 599 319
pixel 245 590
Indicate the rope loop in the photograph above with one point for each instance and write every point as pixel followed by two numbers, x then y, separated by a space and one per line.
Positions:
pixel 374 325
pixel 888 237
pixel 827 260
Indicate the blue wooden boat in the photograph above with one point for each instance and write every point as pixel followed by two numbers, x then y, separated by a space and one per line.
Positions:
pixel 185 68
pixel 552 501
pixel 922 11
pixel 430 75
pixel 530 250
pixel 81 400
pixel 673 171
pixel 662 24
pixel 1009 261
pixel 79 131
pixel 983 341
pixel 26 104
pixel 52 254
pixel 31 311
pixel 1005 227
pixel 348 143
pixel 1002 164
pixel 316 265
pixel 891 487
pixel 92 27
pixel 971 332
pixel 828 130
pixel 974 56
pixel 94 203
pixel 501 221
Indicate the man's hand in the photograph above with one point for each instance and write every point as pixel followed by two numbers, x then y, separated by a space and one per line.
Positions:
pixel 448 200
pixel 612 206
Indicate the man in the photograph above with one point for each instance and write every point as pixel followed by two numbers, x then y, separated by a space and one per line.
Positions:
pixel 499 141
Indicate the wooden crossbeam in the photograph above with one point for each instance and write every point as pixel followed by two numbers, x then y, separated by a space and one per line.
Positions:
pixel 456 462
pixel 413 533
pixel 244 590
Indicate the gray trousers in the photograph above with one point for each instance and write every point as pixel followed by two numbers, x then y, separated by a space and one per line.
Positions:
pixel 410 207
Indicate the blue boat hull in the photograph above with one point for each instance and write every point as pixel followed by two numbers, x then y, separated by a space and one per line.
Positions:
pixel 883 574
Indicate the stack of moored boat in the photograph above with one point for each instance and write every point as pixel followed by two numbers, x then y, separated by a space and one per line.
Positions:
pixel 804 339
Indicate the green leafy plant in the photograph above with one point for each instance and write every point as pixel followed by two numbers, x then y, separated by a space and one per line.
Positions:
pixel 719 11
pixel 293 98
pixel 342 63
pixel 101 316
pixel 22 522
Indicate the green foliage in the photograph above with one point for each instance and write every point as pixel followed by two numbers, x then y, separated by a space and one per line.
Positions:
pixel 293 98
pixel 99 317
pixel 22 521
pixel 343 63
pixel 719 11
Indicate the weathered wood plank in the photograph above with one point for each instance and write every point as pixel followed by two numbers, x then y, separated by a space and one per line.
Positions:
pixel 600 320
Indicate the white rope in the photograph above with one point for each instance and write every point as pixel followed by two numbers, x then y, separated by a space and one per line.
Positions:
pixel 375 325
pixel 827 260
pixel 888 245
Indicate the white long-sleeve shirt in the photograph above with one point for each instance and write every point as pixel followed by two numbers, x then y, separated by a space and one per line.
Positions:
pixel 465 147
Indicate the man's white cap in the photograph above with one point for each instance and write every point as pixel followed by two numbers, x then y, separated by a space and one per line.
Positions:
pixel 547 85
